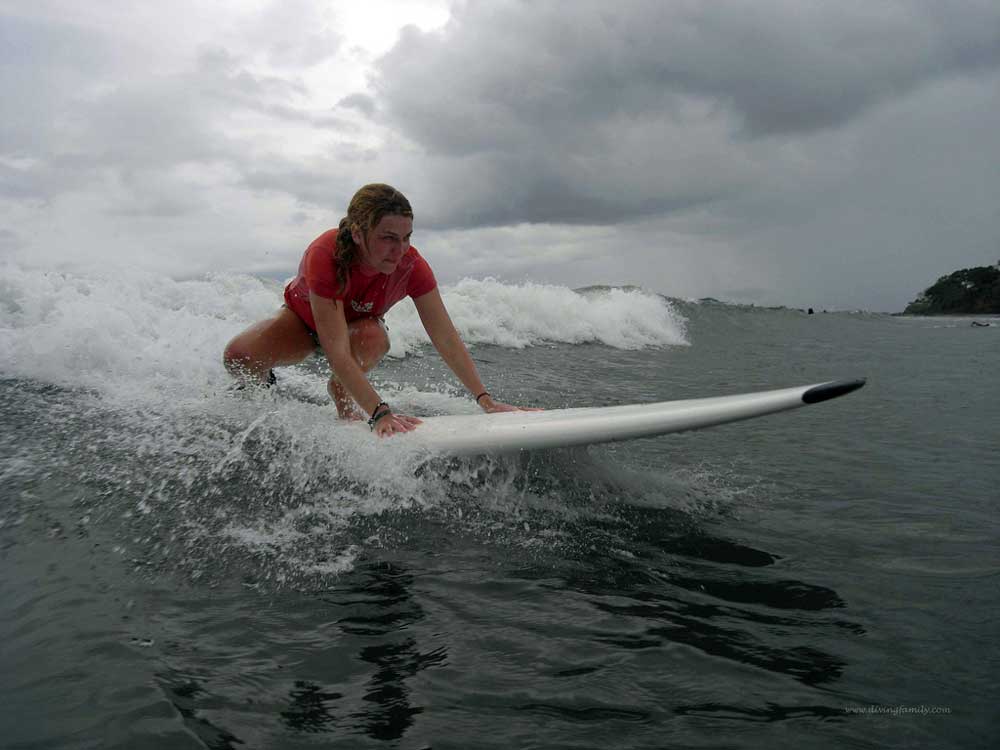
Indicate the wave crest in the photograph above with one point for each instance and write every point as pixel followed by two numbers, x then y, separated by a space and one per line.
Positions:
pixel 124 329
pixel 518 315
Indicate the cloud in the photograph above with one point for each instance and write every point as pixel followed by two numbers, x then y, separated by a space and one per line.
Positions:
pixel 505 72
pixel 42 67
pixel 835 155
pixel 361 102
pixel 9 240
pixel 124 128
pixel 592 113
pixel 91 116
pixel 295 34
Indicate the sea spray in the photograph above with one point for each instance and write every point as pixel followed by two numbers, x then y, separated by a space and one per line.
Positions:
pixel 517 315
pixel 133 335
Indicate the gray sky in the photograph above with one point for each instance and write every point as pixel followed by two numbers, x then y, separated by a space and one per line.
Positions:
pixel 838 155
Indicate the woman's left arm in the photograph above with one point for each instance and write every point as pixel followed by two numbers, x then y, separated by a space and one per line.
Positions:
pixel 452 349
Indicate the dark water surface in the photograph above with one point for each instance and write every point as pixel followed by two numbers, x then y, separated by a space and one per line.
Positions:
pixel 219 572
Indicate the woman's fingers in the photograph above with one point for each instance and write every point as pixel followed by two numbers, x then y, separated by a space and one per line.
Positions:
pixel 393 423
pixel 409 423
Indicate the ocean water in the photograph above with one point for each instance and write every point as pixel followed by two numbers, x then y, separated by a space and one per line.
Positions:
pixel 185 567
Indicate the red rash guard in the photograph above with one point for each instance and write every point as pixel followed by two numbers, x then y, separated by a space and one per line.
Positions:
pixel 365 296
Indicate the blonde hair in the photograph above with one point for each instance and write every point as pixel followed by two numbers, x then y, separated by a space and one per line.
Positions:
pixel 365 211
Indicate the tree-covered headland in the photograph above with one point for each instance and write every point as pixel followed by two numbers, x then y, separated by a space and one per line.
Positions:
pixel 971 291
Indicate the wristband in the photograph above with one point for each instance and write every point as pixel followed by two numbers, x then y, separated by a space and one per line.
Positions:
pixel 484 393
pixel 377 415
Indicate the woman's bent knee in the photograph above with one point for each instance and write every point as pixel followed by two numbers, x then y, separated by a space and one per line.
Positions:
pixel 238 351
pixel 238 361
pixel 369 341
pixel 233 352
pixel 242 359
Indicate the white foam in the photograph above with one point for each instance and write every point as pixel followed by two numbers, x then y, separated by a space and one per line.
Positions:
pixel 126 332
pixel 123 331
pixel 518 315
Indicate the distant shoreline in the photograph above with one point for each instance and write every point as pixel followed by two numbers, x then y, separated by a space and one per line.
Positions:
pixel 968 291
pixel 991 316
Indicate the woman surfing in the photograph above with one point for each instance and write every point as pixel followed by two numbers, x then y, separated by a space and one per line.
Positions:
pixel 347 280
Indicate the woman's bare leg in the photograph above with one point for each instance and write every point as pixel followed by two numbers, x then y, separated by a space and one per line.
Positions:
pixel 275 342
pixel 284 340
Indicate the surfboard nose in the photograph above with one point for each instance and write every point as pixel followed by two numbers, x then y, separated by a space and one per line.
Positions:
pixel 833 389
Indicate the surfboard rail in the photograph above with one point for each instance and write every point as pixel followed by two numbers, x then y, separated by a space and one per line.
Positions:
pixel 474 434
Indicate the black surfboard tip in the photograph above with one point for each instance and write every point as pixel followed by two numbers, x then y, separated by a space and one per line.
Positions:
pixel 831 390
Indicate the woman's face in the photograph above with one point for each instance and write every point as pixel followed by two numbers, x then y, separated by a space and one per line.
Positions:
pixel 385 245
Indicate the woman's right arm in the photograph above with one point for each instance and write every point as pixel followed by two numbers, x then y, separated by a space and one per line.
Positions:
pixel 334 337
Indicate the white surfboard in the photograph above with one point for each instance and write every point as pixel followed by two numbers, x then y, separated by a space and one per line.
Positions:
pixel 475 434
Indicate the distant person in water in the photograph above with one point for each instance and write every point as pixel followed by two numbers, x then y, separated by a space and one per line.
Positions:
pixel 348 279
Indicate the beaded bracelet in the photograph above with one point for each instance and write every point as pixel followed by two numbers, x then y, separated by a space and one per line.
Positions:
pixel 377 415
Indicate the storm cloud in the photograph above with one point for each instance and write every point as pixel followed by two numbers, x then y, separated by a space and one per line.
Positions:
pixel 588 113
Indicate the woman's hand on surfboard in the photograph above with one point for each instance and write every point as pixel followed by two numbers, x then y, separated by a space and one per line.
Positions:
pixel 488 405
pixel 390 424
